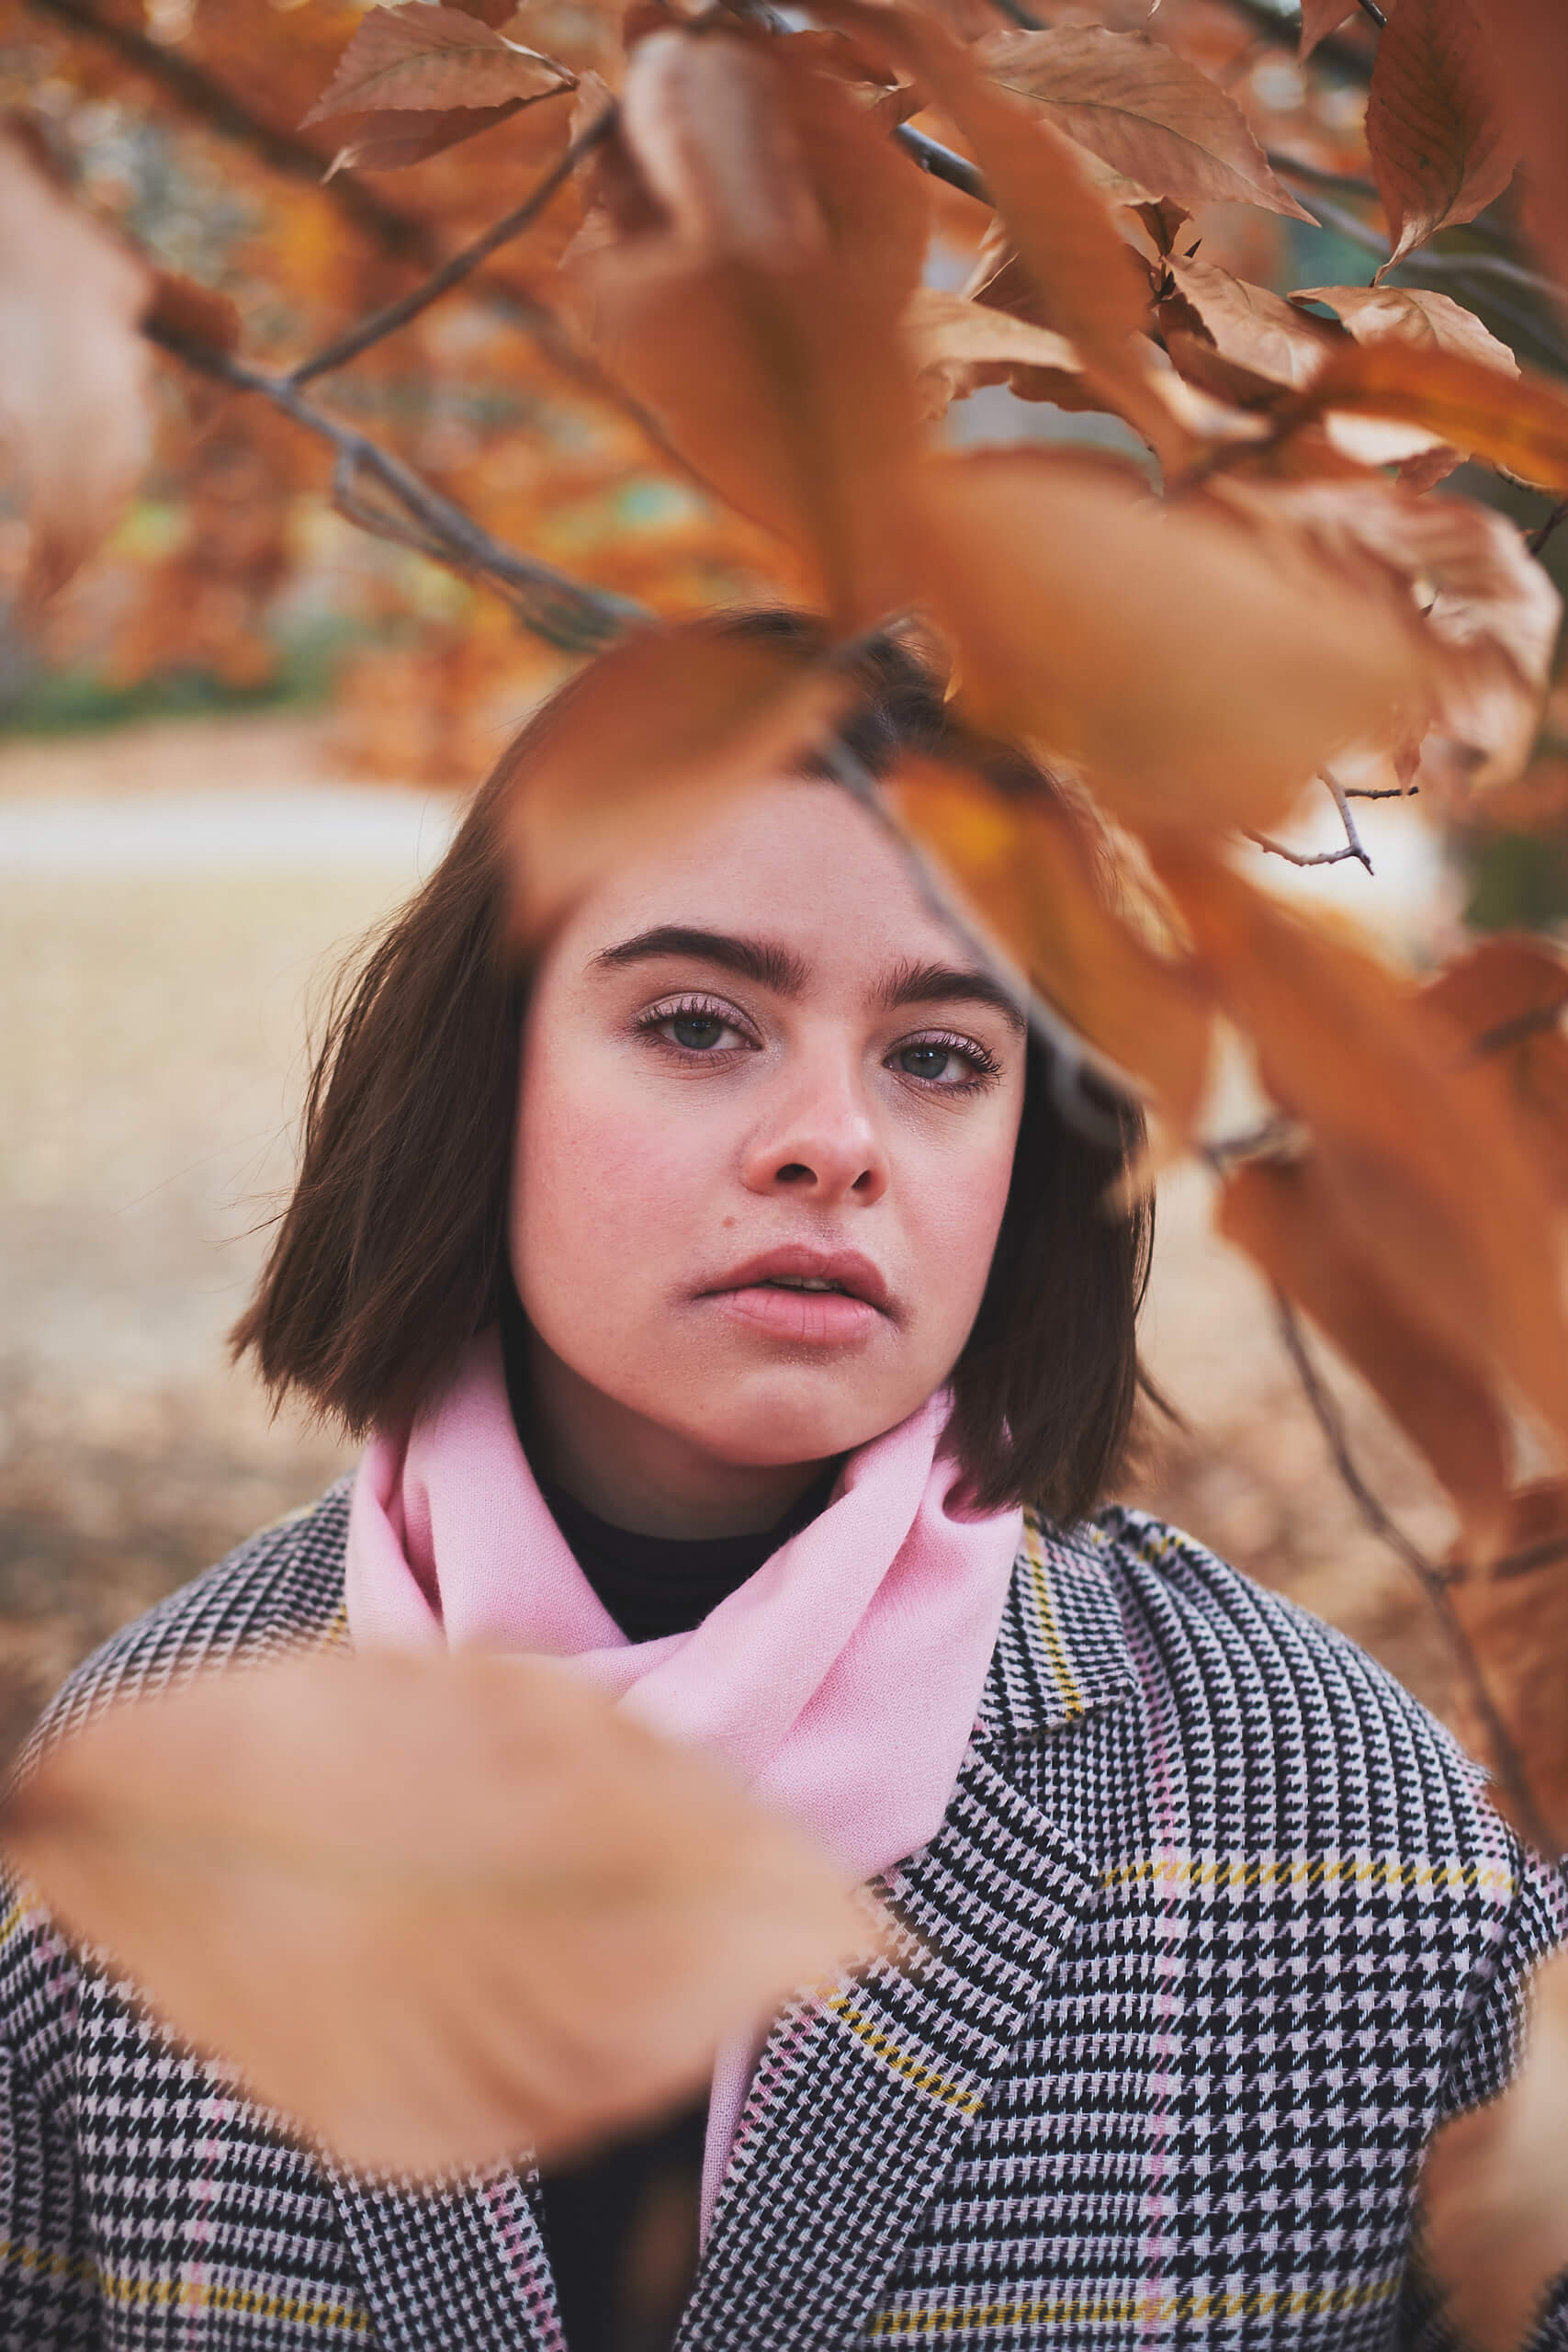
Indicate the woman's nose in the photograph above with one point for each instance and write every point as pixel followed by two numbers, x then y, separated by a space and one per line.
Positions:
pixel 821 1142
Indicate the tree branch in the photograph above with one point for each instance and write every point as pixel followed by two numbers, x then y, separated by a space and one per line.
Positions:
pixel 559 609
pixel 1432 1580
pixel 1354 846
pixel 1543 534
pixel 403 234
pixel 462 264
pixel 942 163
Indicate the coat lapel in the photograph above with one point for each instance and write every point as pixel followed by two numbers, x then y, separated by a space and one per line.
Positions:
pixel 458 2267
pixel 860 2098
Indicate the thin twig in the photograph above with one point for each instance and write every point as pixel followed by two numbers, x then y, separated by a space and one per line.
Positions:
pixel 559 609
pixel 461 265
pixel 1432 1578
pixel 1353 847
pixel 1543 534
pixel 1370 8
pixel 942 163
pixel 1298 857
pixel 1381 791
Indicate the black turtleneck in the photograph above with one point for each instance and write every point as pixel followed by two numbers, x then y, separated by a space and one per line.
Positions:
pixel 621 2228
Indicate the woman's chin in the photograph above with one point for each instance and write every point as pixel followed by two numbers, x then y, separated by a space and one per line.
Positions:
pixel 770 1431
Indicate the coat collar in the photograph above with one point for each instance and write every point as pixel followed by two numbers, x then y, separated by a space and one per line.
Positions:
pixel 861 2095
pixel 1062 1650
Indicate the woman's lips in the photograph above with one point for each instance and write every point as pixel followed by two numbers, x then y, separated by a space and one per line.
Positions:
pixel 820 1319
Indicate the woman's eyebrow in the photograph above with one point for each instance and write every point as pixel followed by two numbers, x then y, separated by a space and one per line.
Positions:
pixel 754 959
pixel 944 983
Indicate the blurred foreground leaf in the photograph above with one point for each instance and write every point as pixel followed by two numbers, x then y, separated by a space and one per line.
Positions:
pixel 674 726
pixel 431 1911
pixel 76 427
pixel 1495 2190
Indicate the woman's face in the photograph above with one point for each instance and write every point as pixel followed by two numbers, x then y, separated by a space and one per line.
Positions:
pixel 769 1104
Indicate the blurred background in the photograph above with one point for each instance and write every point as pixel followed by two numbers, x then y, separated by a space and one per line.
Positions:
pixel 243 736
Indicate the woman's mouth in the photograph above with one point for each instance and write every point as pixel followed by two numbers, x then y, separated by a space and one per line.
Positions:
pixel 808 1297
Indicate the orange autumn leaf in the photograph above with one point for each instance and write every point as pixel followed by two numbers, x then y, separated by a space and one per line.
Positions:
pixel 1489 607
pixel 1505 998
pixel 1494 2192
pixel 1199 671
pixel 1430 1179
pixel 1249 325
pixel 1286 1217
pixel 1526 65
pixel 1028 871
pixel 959 345
pixel 435 1912
pixel 673 724
pixel 1154 116
pixel 432 59
pixel 1440 147
pixel 1321 18
pixel 750 292
pixel 1514 1609
pixel 1415 314
pixel 1092 285
pixel 1521 424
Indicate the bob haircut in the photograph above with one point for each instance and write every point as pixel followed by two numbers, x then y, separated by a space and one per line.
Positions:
pixel 391 1253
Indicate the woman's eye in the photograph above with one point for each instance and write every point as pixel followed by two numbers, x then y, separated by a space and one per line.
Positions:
pixel 939 1063
pixel 698 1032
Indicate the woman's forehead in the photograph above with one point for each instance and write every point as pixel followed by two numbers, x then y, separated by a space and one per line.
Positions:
pixel 796 863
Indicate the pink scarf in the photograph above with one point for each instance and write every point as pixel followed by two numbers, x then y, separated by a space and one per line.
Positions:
pixel 842 1680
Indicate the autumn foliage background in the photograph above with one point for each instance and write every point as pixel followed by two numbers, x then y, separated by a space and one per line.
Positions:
pixel 1191 379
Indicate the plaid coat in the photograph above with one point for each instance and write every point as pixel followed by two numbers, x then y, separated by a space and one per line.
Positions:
pixel 1219 1927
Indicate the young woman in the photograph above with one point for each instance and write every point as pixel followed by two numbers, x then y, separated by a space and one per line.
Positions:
pixel 733 1301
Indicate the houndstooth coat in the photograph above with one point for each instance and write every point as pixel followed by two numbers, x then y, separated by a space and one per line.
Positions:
pixel 1219 1927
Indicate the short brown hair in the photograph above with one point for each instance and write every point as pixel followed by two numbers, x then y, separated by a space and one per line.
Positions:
pixel 391 1253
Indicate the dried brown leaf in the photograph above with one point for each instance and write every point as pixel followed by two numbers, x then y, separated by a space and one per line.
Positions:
pixel 1520 423
pixel 1028 873
pixel 1093 288
pixel 1287 1218
pixel 1147 112
pixel 1249 325
pixel 1321 18
pixel 75 428
pixel 433 1911
pixel 763 327
pixel 1415 314
pixel 1198 668
pixel 1505 998
pixel 1493 2196
pixel 1527 60
pixel 1490 607
pixel 1515 1612
pixel 959 345
pixel 396 137
pixel 432 58
pixel 717 150
pixel 1432 321
pixel 683 720
pixel 1440 148
pixel 1431 1182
